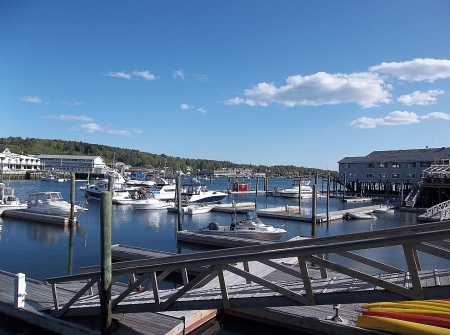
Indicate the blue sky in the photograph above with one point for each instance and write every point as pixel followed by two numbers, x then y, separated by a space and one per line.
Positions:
pixel 305 83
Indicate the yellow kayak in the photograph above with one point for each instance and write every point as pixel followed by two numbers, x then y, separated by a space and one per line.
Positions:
pixel 416 304
pixel 429 312
pixel 399 326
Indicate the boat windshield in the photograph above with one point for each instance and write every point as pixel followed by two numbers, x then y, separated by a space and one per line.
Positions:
pixel 53 196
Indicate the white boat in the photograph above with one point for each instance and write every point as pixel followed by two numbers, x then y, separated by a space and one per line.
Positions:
pixel 200 208
pixel 245 224
pixel 8 200
pixel 306 191
pixel 151 202
pixel 54 178
pixel 164 189
pixel 196 192
pixel 120 192
pixel 51 203
pixel 349 215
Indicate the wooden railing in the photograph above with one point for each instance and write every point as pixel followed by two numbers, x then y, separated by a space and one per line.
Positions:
pixel 428 238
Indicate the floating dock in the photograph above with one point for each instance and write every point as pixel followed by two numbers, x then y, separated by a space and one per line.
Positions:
pixel 30 216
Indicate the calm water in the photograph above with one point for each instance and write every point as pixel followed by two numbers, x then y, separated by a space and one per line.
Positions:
pixel 41 251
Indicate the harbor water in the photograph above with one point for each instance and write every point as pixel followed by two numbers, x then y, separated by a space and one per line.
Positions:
pixel 42 250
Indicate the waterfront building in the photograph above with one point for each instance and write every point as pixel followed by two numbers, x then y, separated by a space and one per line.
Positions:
pixel 81 165
pixel 11 162
pixel 388 171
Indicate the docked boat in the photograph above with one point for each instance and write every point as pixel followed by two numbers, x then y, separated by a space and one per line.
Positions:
pixel 164 189
pixel 299 186
pixel 54 178
pixel 350 215
pixel 120 191
pixel 151 202
pixel 51 203
pixel 245 224
pixel 196 192
pixel 8 200
pixel 200 208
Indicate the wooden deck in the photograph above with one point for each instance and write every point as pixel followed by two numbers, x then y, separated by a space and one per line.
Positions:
pixel 24 215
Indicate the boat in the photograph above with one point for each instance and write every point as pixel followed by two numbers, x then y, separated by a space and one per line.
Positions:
pixel 8 200
pixel 151 202
pixel 245 224
pixel 51 203
pixel 120 191
pixel 54 178
pixel 196 192
pixel 164 189
pixel 351 215
pixel 306 191
pixel 200 208
pixel 399 326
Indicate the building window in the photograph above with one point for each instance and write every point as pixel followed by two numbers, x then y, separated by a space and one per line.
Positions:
pixel 395 165
pixel 353 175
pixel 396 176
pixel 411 175
pixel 424 164
pixel 382 165
pixel 371 165
pixel 382 175
pixel 411 164
pixel 370 175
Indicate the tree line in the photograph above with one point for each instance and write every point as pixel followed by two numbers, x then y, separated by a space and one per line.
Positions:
pixel 139 159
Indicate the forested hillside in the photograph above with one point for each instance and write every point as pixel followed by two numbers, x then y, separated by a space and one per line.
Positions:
pixel 135 158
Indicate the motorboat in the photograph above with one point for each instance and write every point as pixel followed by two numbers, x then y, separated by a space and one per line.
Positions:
pixel 200 208
pixel 196 192
pixel 245 224
pixel 164 189
pixel 350 215
pixel 306 191
pixel 120 190
pixel 51 203
pixel 8 200
pixel 54 178
pixel 151 202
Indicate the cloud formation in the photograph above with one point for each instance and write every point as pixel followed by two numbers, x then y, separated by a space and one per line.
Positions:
pixel 94 127
pixel 118 75
pixel 202 110
pixel 419 69
pixel 420 98
pixel 393 119
pixel 33 99
pixel 436 115
pixel 364 88
pixel 69 117
pixel 178 74
pixel 140 74
pixel 144 74
pixel 185 106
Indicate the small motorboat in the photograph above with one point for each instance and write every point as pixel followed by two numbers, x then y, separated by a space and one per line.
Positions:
pixel 350 215
pixel 245 224
pixel 151 202
pixel 8 200
pixel 196 192
pixel 51 203
pixel 200 208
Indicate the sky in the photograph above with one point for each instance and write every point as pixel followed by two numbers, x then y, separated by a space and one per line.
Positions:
pixel 302 83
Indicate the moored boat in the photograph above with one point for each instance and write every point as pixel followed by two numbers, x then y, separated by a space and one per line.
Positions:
pixel 246 224
pixel 51 203
pixel 196 192
pixel 8 200
pixel 151 202
pixel 351 215
pixel 198 208
pixel 299 186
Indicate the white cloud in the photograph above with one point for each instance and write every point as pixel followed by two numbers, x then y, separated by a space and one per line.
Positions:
pixel 185 106
pixel 436 115
pixel 419 69
pixel 202 110
pixel 34 99
pixel 76 103
pixel 178 73
pixel 393 119
pixel 94 127
pixel 202 78
pixel 118 132
pixel 90 127
pixel 366 89
pixel 419 98
pixel 118 75
pixel 144 74
pixel 69 117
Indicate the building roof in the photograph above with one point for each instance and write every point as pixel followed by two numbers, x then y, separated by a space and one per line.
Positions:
pixel 68 157
pixel 411 155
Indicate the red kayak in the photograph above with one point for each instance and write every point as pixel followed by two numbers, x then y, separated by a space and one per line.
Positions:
pixel 423 319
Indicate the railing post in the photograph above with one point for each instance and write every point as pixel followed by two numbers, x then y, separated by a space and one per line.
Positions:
pixel 105 244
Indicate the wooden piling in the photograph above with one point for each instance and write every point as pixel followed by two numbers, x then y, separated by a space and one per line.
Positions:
pixel 313 211
pixel 180 212
pixel 328 198
pixel 256 193
pixel 72 220
pixel 106 268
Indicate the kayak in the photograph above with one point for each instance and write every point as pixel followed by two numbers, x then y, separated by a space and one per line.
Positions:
pixel 425 319
pixel 399 326
pixel 415 304
pixel 438 314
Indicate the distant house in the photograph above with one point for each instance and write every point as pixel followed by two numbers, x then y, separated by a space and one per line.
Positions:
pixel 70 163
pixel 14 162
pixel 391 167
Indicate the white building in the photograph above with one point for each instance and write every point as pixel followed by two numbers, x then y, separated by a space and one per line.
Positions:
pixel 72 163
pixel 14 162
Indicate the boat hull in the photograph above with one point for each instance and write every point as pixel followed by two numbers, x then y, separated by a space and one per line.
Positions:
pixel 271 236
